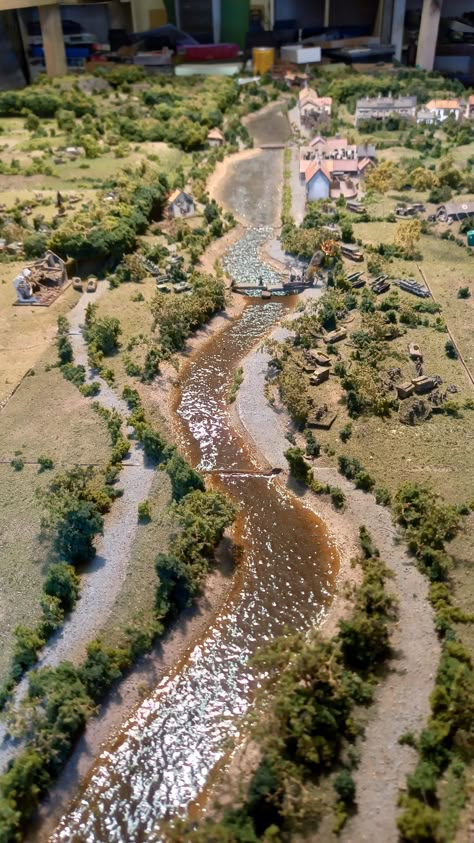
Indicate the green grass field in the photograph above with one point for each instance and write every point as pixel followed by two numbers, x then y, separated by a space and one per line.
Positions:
pixel 46 416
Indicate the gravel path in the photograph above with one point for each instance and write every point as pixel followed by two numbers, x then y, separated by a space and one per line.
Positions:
pixel 402 698
pixel 298 189
pixel 102 581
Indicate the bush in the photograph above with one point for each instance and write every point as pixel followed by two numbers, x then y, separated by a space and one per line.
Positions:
pixel 299 468
pixel 17 463
pixel 364 641
pixel 102 667
pixel 363 480
pixel 52 614
pixel 45 463
pixel 102 335
pixel 132 397
pixel 144 511
pixel 368 547
pixel 313 447
pixel 346 432
pixel 34 245
pixel 75 502
pixel 184 478
pixel 90 390
pixel 338 497
pixel 75 374
pixel 464 293
pixel 451 350
pixel 79 523
pixel 25 652
pixel 62 582
pixel 382 496
pixel 345 787
pixel 419 823
pixel 236 384
pixel 153 444
pixel 64 347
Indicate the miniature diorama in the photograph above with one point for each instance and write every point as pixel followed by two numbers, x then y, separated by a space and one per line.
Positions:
pixel 236 421
pixel 41 282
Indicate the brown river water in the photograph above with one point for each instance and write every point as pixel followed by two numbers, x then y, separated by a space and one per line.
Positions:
pixel 164 754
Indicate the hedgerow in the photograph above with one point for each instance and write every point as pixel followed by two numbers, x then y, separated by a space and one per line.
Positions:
pixel 428 524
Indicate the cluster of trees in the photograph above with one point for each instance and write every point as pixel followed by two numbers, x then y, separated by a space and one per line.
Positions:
pixel 202 517
pixel 45 101
pixel 179 113
pixel 107 231
pixel 413 174
pixel 310 237
pixel 176 318
pixel 102 334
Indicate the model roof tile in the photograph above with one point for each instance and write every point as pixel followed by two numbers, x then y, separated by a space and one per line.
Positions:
pixel 434 104
pixel 215 134
pixel 315 167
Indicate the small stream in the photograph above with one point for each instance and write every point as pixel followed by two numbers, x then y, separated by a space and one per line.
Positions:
pixel 164 754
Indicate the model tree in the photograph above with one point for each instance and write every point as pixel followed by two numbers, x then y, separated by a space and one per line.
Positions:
pixel 407 236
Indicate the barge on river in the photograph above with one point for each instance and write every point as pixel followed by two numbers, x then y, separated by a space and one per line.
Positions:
pixel 295 284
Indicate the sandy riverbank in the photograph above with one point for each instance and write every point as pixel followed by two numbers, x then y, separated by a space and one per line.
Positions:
pixel 217 179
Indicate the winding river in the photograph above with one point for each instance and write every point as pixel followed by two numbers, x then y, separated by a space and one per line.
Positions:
pixel 164 754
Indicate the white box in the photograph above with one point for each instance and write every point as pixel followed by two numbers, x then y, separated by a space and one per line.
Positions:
pixel 297 54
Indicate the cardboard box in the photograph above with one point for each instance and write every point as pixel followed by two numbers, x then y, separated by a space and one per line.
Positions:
pixel 298 54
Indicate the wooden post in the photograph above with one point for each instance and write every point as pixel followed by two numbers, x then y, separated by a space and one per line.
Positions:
pixel 398 24
pixel 327 12
pixel 53 40
pixel 117 15
pixel 428 33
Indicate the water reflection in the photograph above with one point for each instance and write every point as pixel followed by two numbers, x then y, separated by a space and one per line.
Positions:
pixel 167 749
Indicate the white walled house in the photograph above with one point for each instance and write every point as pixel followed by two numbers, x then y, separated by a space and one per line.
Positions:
pixel 442 109
pixel 180 204
pixel 215 137
pixel 309 103
pixel 424 115
pixel 379 108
